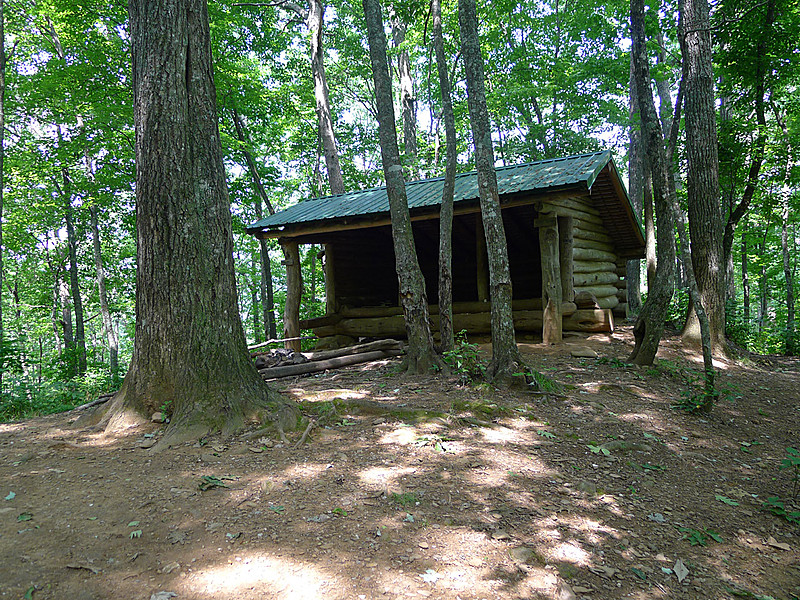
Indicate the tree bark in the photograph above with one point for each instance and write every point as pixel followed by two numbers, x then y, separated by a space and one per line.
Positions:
pixel 702 182
pixel 446 212
pixel 650 324
pixel 408 102
pixel 421 355
pixel 636 174
pixel 189 353
pixel 506 359
pixel 315 22
pixel 294 291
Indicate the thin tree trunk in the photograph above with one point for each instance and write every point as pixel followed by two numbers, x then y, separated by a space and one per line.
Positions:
pixel 705 217
pixel 408 101
pixel 313 279
pixel 785 195
pixel 757 152
pixel 267 296
pixel 2 165
pixel 636 176
pixel 650 324
pixel 111 334
pixel 745 274
pixel 446 213
pixel 258 331
pixel 64 302
pixel 77 303
pixel 421 355
pixel 506 359
pixel 763 284
pixel 651 258
pixel 787 270
pixel 322 97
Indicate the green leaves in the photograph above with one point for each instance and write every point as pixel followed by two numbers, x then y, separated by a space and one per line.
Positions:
pixel 727 501
pixel 208 482
pixel 699 537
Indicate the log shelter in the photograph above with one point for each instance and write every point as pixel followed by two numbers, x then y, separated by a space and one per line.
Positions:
pixel 569 225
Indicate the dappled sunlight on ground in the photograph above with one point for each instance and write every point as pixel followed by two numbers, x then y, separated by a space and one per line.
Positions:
pixel 268 576
pixel 301 394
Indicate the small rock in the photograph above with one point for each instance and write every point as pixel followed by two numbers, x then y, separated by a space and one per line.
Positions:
pixel 167 569
pixel 475 562
pixel 587 487
pixel 147 443
pixel 657 517
pixel 163 595
pixel 579 589
pixel 565 592
pixel 158 417
pixel 583 352
pixel 319 518
pixel 423 545
pixel 523 555
pixel 501 535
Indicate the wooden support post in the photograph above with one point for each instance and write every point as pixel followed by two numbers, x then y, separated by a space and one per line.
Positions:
pixel 294 289
pixel 482 261
pixel 551 279
pixel 565 244
pixel 330 281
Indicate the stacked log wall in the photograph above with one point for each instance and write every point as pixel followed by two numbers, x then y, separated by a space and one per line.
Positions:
pixel 594 255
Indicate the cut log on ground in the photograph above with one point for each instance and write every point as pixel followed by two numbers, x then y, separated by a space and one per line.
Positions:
pixel 324 365
pixel 357 349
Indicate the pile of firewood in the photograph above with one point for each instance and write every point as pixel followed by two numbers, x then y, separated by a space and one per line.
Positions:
pixel 279 357
pixel 286 363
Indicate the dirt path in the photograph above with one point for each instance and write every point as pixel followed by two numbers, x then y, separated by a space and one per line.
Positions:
pixel 425 488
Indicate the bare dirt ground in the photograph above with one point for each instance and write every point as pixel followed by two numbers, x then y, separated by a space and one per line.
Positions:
pixel 426 488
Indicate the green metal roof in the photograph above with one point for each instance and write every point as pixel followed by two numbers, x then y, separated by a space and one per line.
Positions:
pixel 545 175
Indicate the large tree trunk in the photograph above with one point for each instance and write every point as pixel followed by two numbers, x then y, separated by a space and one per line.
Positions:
pixel 705 216
pixel 506 359
pixel 421 355
pixel 105 312
pixel 189 350
pixel 650 324
pixel 446 213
